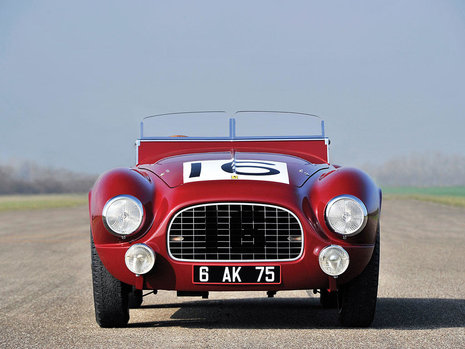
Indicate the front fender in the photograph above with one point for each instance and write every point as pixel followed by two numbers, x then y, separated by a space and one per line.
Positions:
pixel 118 182
pixel 351 181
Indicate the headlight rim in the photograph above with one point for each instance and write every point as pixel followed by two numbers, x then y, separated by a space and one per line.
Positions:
pixel 350 197
pixel 111 201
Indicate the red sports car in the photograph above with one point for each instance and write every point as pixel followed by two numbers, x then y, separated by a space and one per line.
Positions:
pixel 241 202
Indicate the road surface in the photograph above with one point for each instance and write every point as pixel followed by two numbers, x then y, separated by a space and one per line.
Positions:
pixel 46 296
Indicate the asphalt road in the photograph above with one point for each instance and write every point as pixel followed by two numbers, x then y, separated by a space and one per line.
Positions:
pixel 46 297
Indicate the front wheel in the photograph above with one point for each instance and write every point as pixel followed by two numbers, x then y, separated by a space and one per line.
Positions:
pixel 111 296
pixel 357 298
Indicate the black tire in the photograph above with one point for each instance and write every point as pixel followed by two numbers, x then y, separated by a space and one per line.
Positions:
pixel 328 299
pixel 110 295
pixel 357 298
pixel 135 298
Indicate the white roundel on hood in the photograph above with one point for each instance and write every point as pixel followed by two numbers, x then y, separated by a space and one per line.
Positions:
pixel 257 170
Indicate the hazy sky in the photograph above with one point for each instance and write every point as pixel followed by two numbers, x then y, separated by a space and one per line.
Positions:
pixel 77 77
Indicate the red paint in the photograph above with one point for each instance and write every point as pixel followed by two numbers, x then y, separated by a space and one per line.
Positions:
pixel 315 151
pixel 163 196
pixel 170 170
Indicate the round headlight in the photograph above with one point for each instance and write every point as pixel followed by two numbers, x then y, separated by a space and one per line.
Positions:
pixel 123 215
pixel 334 260
pixel 139 259
pixel 346 215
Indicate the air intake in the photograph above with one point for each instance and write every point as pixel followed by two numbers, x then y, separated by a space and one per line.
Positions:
pixel 235 232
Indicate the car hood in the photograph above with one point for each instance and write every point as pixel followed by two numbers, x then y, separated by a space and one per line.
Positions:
pixel 184 169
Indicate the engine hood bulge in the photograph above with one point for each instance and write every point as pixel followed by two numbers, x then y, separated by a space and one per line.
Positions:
pixel 239 166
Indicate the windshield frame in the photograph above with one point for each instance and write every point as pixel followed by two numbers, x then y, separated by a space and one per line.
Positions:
pixel 232 128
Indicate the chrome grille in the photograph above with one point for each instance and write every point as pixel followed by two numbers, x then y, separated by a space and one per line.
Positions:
pixel 235 232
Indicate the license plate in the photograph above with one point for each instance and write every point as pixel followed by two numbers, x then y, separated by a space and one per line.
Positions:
pixel 236 274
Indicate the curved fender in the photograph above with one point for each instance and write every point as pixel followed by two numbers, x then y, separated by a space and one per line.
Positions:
pixel 118 182
pixel 351 181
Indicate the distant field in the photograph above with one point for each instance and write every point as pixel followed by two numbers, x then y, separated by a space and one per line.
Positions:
pixel 31 202
pixel 454 196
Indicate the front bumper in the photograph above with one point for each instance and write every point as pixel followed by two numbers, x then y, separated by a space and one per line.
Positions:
pixel 169 274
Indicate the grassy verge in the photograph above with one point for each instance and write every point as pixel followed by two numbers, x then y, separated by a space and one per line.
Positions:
pixel 452 196
pixel 32 202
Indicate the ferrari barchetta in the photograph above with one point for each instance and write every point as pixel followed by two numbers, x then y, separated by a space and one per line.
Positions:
pixel 234 202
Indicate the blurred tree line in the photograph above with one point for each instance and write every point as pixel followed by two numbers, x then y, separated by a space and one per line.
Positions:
pixel 417 170
pixel 420 170
pixel 30 178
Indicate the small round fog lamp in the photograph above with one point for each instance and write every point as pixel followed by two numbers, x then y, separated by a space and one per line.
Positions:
pixel 334 260
pixel 139 259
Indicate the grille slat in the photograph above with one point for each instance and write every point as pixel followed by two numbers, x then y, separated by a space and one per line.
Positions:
pixel 235 232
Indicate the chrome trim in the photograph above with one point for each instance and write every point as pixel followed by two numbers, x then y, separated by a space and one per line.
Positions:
pixel 107 205
pixel 137 145
pixel 275 111
pixel 234 260
pixel 187 139
pixel 185 112
pixel 327 143
pixel 232 135
pixel 358 201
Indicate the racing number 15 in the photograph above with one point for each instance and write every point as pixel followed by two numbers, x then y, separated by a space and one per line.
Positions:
pixel 248 168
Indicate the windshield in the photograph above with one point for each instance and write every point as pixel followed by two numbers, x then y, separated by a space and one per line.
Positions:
pixel 219 125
